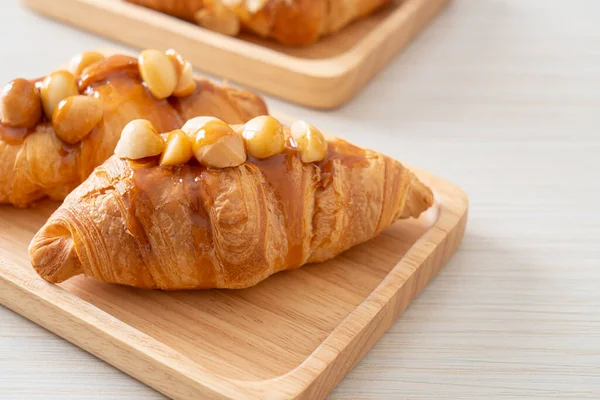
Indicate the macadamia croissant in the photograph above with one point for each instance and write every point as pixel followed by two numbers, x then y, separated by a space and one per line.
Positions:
pixel 54 131
pixel 265 208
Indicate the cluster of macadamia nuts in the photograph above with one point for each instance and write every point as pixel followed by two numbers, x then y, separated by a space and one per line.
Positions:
pixel 166 73
pixel 23 103
pixel 216 144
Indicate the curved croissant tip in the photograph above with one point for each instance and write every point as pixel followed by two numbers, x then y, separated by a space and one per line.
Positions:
pixel 420 198
pixel 52 254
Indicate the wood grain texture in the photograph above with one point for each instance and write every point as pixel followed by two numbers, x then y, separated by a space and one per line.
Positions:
pixel 291 336
pixel 294 335
pixel 499 96
pixel 324 75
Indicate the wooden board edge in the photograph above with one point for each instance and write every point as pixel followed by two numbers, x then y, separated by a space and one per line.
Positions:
pixel 90 338
pixel 178 377
pixel 106 337
pixel 333 359
pixel 360 64
pixel 321 84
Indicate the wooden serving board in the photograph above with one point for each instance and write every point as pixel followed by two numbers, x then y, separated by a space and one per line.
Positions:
pixel 324 75
pixel 294 335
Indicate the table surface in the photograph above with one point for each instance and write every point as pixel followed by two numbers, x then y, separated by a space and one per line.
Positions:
pixel 501 97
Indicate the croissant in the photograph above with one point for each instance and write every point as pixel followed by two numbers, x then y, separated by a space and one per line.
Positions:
pixel 291 22
pixel 193 226
pixel 45 153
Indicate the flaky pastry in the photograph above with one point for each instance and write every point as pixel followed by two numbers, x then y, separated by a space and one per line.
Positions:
pixel 193 225
pixel 55 130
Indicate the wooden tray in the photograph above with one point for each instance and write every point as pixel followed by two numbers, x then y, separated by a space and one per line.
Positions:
pixel 294 335
pixel 324 75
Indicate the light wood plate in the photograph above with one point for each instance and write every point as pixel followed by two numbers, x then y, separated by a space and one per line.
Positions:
pixel 323 75
pixel 294 335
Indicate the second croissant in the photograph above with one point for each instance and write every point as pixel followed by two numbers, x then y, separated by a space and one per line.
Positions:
pixel 55 130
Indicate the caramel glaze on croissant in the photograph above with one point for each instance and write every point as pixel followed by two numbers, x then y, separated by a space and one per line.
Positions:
pixel 189 227
pixel 291 22
pixel 35 163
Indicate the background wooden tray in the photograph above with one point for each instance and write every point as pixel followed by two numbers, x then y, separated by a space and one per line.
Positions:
pixel 294 335
pixel 324 75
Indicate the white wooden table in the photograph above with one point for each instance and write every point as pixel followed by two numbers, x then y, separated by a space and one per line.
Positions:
pixel 499 96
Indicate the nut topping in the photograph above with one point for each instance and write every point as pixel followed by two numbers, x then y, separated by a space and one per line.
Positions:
pixel 185 74
pixel 193 125
pixel 20 105
pixel 178 149
pixel 84 60
pixel 219 19
pixel 218 146
pixel 264 137
pixel 310 142
pixel 177 60
pixel 75 117
pixel 56 87
pixel 187 83
pixel 158 72
pixel 139 139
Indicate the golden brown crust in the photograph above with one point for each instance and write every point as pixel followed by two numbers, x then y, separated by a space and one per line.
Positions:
pixel 291 22
pixel 183 9
pixel 42 165
pixel 189 227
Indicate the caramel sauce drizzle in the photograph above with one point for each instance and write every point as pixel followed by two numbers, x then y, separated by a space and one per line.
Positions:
pixel 111 67
pixel 104 70
pixel 278 172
